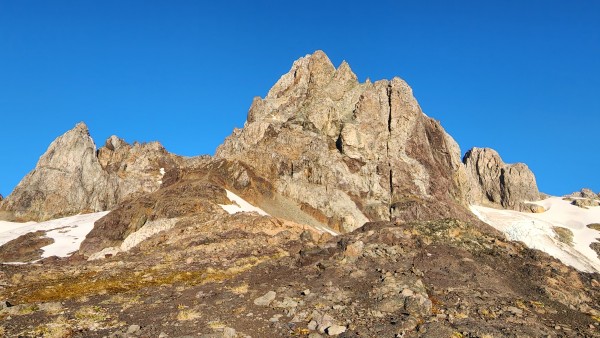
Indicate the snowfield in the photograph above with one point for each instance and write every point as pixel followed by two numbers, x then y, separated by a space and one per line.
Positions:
pixel 536 230
pixel 67 232
pixel 240 205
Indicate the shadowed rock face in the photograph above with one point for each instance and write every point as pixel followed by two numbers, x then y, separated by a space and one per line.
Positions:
pixel 496 183
pixel 350 152
pixel 72 177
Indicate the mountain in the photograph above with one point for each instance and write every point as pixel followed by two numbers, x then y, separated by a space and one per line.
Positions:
pixel 72 176
pixel 340 209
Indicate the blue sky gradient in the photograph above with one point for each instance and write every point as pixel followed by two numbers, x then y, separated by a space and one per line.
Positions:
pixel 522 77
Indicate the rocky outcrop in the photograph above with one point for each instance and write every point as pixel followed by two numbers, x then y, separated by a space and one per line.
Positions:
pixel 585 193
pixel 72 177
pixel 342 151
pixel 196 191
pixel 497 184
pixel 350 152
pixel 585 202
pixel 25 248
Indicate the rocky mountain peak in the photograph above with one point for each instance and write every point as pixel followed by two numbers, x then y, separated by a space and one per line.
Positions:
pixel 366 146
pixel 113 143
pixel 313 79
pixel 243 241
pixel 311 71
pixel 73 149
pixel 73 177
pixel 345 74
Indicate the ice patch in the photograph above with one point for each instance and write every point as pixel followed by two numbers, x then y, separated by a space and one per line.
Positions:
pixel 326 229
pixel 535 230
pixel 162 173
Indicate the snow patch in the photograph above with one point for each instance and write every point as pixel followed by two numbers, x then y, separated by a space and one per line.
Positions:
pixel 240 205
pixel 162 173
pixel 148 230
pixel 67 232
pixel 535 230
pixel 326 229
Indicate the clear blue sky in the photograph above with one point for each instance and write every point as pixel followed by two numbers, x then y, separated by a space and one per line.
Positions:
pixel 522 77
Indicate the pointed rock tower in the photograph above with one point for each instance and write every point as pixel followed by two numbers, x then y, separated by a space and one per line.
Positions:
pixel 350 152
pixel 72 177
pixel 497 184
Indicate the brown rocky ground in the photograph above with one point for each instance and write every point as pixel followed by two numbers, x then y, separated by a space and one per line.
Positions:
pixel 248 275
pixel 25 248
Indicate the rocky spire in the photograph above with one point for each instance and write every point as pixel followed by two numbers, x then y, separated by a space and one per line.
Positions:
pixel 73 177
pixel 348 151
pixel 63 180
pixel 496 183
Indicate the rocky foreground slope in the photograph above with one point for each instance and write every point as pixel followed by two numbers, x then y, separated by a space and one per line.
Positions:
pixel 321 154
pixel 247 275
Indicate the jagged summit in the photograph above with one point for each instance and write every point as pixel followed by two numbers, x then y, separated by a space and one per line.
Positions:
pixel 366 146
pixel 346 152
pixel 406 257
pixel 73 177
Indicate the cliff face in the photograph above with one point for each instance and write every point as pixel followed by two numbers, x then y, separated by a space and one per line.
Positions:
pixel 72 177
pixel 349 151
pixel 495 183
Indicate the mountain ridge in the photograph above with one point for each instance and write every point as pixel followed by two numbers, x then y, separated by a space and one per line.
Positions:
pixel 364 230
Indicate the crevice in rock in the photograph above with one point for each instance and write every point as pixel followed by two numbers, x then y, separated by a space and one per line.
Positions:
pixel 503 190
pixel 391 193
pixel 391 183
pixel 389 95
pixel 339 144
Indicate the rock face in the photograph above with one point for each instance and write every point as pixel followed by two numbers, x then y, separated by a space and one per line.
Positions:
pixel 349 152
pixel 585 193
pixel 25 248
pixel 495 183
pixel 343 152
pixel 72 177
